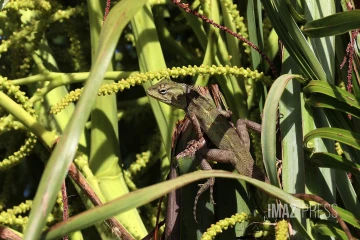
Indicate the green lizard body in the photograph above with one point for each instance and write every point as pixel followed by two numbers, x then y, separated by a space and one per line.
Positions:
pixel 204 114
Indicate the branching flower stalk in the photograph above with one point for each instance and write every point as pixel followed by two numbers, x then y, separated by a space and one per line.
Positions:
pixel 185 6
pixel 38 25
pixel 350 58
pixel 166 73
pixel 60 79
pixel 28 146
pixel 13 217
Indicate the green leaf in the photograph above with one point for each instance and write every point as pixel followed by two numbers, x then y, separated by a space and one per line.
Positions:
pixel 253 14
pixel 335 24
pixel 148 194
pixel 323 101
pixel 56 169
pixel 345 136
pixel 328 228
pixel 293 39
pixel 297 11
pixel 347 216
pixel 329 160
pixel 330 90
pixel 268 132
pixel 150 58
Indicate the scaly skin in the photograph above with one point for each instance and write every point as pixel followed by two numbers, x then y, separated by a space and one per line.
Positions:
pixel 204 114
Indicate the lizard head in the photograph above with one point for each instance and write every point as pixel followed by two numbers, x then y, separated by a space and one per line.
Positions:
pixel 169 92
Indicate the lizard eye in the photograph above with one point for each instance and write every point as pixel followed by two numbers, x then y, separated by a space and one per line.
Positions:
pixel 163 91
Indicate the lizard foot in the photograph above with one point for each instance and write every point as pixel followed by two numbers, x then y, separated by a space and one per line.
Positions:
pixel 203 187
pixel 191 148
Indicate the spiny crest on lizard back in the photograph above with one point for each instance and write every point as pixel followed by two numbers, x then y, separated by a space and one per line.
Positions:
pixel 170 92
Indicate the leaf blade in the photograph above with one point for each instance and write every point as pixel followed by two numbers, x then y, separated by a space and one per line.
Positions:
pixel 56 169
pixel 148 194
pixel 334 24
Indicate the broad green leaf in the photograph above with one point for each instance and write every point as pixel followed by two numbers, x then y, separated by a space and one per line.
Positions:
pixel 297 11
pixel 317 178
pixel 150 58
pixel 301 229
pixel 323 101
pixel 347 216
pixel 293 39
pixel 291 127
pixel 328 228
pixel 270 115
pixel 329 160
pixel 345 187
pixel 330 90
pixel 64 152
pixel 148 194
pixel 315 10
pixel 345 136
pixel 104 155
pixel 335 24
pixel 253 14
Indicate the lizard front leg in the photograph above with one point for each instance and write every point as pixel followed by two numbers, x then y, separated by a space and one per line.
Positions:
pixel 196 125
pixel 192 147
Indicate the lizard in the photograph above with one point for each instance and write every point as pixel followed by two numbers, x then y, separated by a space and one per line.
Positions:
pixel 233 144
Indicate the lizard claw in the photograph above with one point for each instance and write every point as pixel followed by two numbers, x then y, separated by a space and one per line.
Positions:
pixel 192 147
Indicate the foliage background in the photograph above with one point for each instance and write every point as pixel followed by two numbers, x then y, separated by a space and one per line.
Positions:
pixel 122 142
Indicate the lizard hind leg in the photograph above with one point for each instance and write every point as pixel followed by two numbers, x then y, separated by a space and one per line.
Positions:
pixel 243 133
pixel 203 187
pixel 241 129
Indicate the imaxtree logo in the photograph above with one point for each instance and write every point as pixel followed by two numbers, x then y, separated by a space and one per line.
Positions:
pixel 285 211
